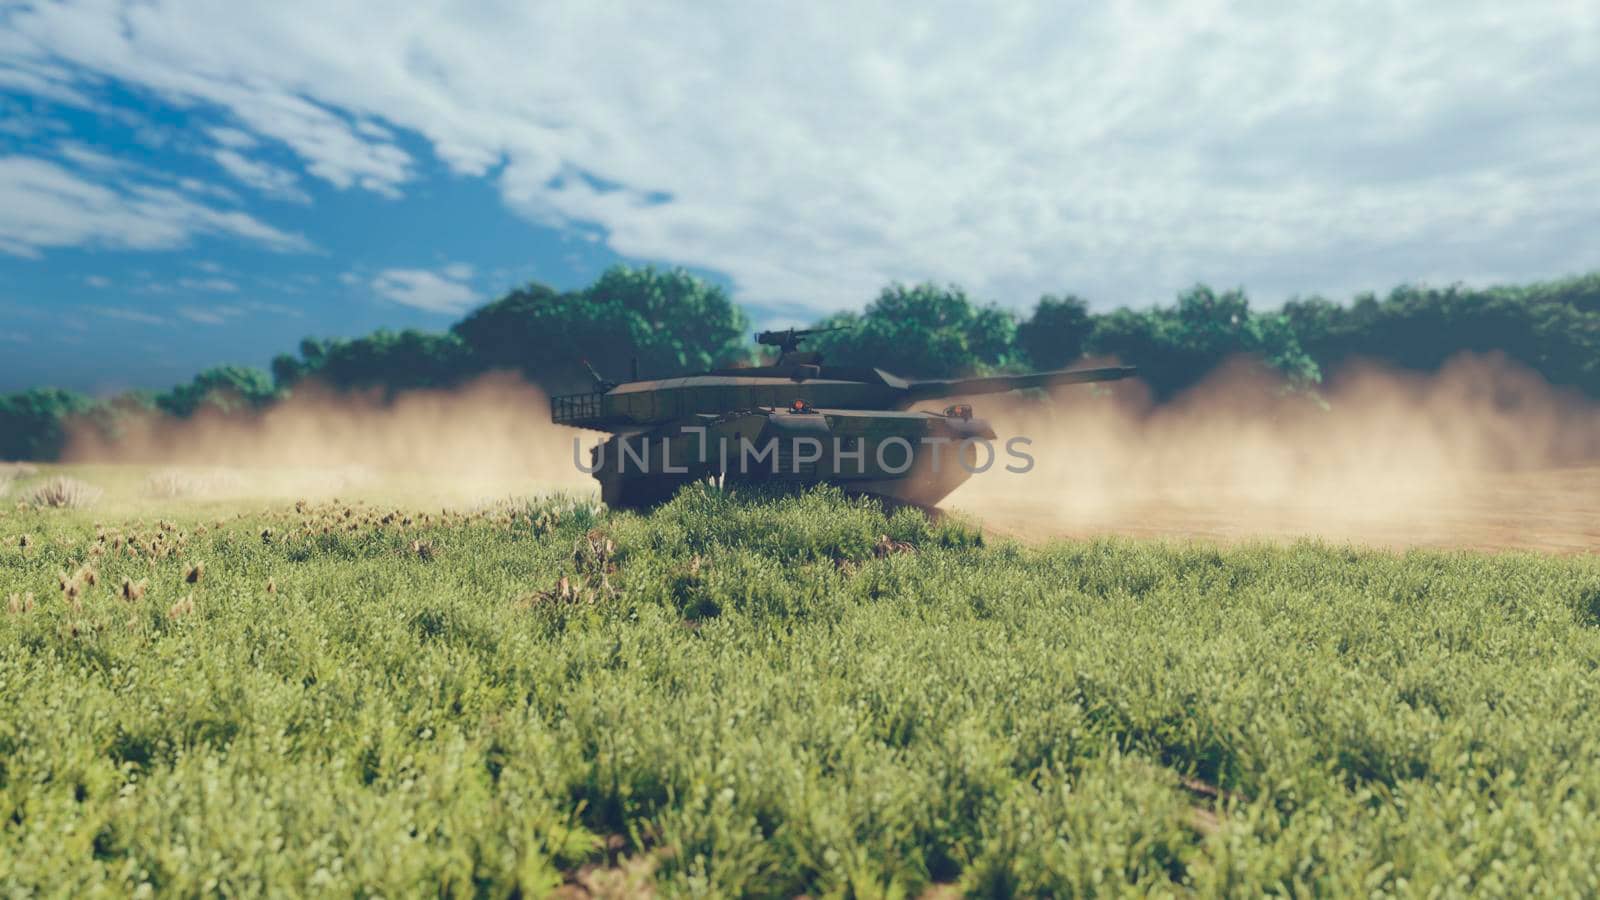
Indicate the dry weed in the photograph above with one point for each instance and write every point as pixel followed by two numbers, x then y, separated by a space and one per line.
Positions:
pixel 71 588
pixel 179 483
pixel 595 553
pixel 182 608
pixel 64 493
pixel 570 591
pixel 887 546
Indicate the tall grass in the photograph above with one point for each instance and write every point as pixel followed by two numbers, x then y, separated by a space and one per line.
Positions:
pixel 775 696
pixel 192 483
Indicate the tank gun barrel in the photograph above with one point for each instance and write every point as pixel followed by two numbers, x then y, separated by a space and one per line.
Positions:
pixel 962 387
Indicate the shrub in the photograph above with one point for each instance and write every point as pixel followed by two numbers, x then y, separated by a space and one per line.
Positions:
pixel 64 493
pixel 175 483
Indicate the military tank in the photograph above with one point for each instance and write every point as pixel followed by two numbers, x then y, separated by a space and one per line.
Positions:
pixel 796 422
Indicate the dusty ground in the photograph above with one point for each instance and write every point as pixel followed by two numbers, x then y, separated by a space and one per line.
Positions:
pixel 1482 454
pixel 1554 510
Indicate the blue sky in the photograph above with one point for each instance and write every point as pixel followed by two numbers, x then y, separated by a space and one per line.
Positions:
pixel 184 183
pixel 100 318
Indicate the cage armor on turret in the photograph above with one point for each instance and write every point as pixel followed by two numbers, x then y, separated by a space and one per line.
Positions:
pixel 797 422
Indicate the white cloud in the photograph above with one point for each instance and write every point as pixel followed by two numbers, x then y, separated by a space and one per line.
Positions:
pixel 202 315
pixel 17 248
pixel 127 315
pixel 221 285
pixel 97 281
pixel 89 158
pixel 210 315
pixel 207 189
pixel 264 177
pixel 424 290
pixel 815 151
pixel 233 138
pixel 220 313
pixel 275 309
pixel 43 205
pixel 42 80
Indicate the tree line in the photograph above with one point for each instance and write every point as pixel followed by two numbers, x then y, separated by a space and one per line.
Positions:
pixel 668 322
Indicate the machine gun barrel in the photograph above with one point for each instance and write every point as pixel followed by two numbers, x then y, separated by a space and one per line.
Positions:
pixel 789 339
pixel 962 387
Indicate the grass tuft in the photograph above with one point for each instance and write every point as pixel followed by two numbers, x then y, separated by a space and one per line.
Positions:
pixel 192 483
pixel 64 493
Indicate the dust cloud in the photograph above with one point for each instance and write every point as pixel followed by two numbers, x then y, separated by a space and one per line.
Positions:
pixel 1482 454
pixel 489 439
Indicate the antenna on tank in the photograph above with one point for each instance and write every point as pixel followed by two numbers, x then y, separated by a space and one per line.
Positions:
pixel 600 384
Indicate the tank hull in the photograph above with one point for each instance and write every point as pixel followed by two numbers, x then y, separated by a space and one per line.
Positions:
pixel 911 456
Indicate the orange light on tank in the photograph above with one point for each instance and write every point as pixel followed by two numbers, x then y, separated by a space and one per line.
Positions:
pixel 799 406
pixel 959 411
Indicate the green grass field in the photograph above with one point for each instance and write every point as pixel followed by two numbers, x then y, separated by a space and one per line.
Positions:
pixel 735 697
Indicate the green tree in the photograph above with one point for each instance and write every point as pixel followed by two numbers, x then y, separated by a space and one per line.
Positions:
pixel 34 423
pixel 693 324
pixel 1054 336
pixel 670 321
pixel 1551 327
pixel 223 388
pixel 392 360
pixel 289 370
pixel 1175 347
pixel 926 331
